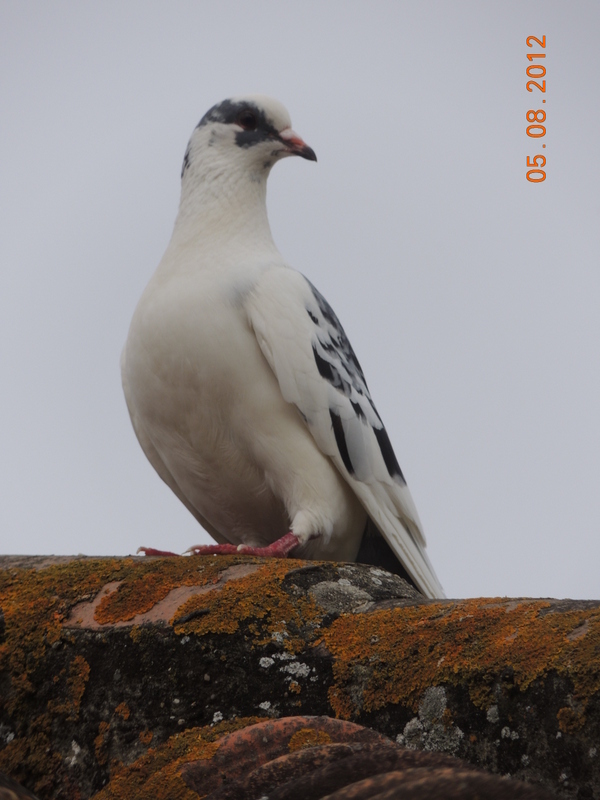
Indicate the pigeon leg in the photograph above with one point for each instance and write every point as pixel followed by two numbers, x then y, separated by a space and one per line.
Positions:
pixel 278 549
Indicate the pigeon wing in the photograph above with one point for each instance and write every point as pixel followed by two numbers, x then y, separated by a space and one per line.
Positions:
pixel 317 370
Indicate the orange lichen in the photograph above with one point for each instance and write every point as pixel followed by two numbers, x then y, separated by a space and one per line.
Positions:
pixel 79 673
pixel 101 742
pixel 35 604
pixel 123 710
pixel 258 597
pixel 157 773
pixel 402 651
pixel 32 760
pixel 308 737
pixel 569 721
pixel 379 658
pixel 150 584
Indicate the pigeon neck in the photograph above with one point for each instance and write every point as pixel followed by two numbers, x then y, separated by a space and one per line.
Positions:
pixel 224 209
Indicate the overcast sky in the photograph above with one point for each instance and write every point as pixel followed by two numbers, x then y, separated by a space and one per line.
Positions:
pixel 471 296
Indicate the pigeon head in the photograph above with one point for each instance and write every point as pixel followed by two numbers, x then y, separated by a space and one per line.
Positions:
pixel 251 133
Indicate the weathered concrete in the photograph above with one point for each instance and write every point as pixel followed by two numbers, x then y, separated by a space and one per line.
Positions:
pixel 102 659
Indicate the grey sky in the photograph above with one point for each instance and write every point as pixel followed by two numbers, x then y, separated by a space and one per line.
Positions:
pixel 471 296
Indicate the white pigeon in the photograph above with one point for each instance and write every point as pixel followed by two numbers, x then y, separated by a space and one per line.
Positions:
pixel 243 389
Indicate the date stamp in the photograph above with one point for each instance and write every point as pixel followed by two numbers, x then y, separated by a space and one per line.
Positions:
pixel 536 74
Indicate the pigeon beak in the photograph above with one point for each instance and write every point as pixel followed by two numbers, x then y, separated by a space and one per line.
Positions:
pixel 295 145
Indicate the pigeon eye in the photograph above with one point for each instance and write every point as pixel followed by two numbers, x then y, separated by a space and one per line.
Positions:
pixel 248 121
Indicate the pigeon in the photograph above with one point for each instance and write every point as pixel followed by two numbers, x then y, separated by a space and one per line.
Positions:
pixel 243 389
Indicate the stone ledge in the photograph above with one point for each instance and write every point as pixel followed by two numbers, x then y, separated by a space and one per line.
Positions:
pixel 102 659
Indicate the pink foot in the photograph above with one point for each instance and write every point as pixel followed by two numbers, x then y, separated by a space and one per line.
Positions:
pixel 151 551
pixel 278 549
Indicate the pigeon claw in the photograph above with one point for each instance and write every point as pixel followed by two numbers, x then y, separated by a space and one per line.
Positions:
pixel 151 551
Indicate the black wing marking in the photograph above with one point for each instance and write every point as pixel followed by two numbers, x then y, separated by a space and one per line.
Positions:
pixel 339 366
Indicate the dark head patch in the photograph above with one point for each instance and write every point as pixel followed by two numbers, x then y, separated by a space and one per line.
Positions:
pixel 231 112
